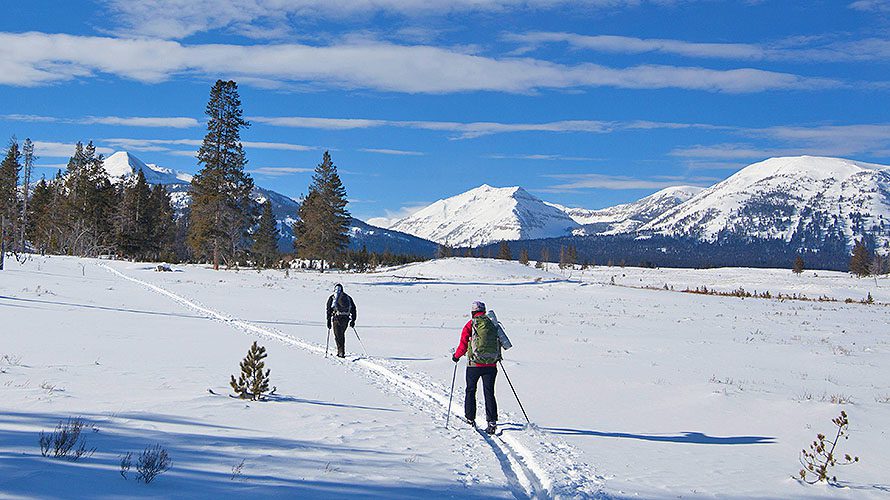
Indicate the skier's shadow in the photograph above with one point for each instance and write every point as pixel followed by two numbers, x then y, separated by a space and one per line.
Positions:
pixel 683 437
pixel 275 398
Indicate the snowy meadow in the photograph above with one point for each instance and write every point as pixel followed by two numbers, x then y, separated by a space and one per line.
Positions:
pixel 633 390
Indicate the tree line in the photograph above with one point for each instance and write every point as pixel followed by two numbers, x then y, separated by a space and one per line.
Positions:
pixel 82 212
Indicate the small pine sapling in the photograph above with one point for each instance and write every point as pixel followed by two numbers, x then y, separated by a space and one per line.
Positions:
pixel 820 457
pixel 253 383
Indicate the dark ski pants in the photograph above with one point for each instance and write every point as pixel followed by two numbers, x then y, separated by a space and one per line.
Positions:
pixel 340 334
pixel 487 374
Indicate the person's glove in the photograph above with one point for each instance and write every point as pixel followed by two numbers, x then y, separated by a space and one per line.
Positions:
pixel 455 359
pixel 329 324
pixel 352 323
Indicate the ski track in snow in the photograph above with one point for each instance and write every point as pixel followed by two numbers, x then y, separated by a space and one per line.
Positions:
pixel 526 476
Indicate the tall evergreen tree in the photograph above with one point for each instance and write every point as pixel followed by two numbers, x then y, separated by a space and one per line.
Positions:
pixel 265 238
pixel 87 204
pixel 221 208
pixel 9 186
pixel 861 258
pixel 133 220
pixel 323 229
pixel 163 224
pixel 28 157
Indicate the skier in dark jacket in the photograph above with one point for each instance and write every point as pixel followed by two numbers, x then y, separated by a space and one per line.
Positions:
pixel 340 313
pixel 479 341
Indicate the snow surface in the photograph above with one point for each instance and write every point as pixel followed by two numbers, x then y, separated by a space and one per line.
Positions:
pixel 486 215
pixel 634 392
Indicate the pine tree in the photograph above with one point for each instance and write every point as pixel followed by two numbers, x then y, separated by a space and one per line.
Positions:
pixel 221 208
pixel 9 199
pixel 28 156
pixel 87 202
pixel 504 251
pixel 322 231
pixel 253 382
pixel 133 220
pixel 163 225
pixel 265 238
pixel 523 256
pixel 798 265
pixel 861 258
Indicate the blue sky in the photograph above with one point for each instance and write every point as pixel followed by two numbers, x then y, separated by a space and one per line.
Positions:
pixel 584 103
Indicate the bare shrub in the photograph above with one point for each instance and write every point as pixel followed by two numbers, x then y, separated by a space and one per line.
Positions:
pixel 126 463
pixel 66 441
pixel 153 462
pixel 820 458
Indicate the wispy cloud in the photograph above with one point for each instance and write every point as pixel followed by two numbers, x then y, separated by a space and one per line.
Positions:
pixel 809 49
pixel 167 145
pixel 576 182
pixel 540 157
pixel 127 121
pixel 395 152
pixel 471 130
pixel 279 171
pixel 391 216
pixel 820 140
pixel 49 149
pixel 871 5
pixel 31 59
pixel 259 18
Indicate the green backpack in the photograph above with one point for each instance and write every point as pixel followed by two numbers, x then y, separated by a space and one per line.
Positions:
pixel 484 346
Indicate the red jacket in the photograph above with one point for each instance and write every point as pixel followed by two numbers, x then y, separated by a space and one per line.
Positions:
pixel 465 340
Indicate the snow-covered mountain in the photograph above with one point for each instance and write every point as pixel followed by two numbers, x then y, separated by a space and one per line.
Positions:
pixel 485 215
pixel 628 217
pixel 122 165
pixel 802 199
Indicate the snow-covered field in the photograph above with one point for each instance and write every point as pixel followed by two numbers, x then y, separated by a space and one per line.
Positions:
pixel 634 392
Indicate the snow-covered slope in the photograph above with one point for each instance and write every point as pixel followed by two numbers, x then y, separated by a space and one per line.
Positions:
pixel 796 199
pixel 485 215
pixel 628 217
pixel 122 164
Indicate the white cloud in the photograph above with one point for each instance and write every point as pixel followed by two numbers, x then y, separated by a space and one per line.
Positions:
pixel 164 145
pixel 395 152
pixel 821 140
pixel 471 130
pixel 48 149
pixel 544 157
pixel 280 171
pixel 575 182
pixel 265 18
pixel 390 217
pixel 809 49
pixel 31 59
pixel 871 5
pixel 128 121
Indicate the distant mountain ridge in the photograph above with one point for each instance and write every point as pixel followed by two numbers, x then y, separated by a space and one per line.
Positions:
pixel 803 201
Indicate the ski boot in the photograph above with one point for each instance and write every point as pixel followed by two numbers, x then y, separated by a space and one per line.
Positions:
pixel 492 428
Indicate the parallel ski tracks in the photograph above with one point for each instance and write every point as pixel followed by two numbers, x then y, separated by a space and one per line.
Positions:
pixel 527 479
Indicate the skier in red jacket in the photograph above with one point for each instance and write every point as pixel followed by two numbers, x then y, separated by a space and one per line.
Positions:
pixel 479 341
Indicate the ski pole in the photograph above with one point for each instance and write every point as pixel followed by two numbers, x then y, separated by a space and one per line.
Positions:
pixel 328 344
pixel 360 341
pixel 451 395
pixel 514 392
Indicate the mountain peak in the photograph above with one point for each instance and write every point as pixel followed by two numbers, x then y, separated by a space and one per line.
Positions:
pixel 123 164
pixel 485 215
